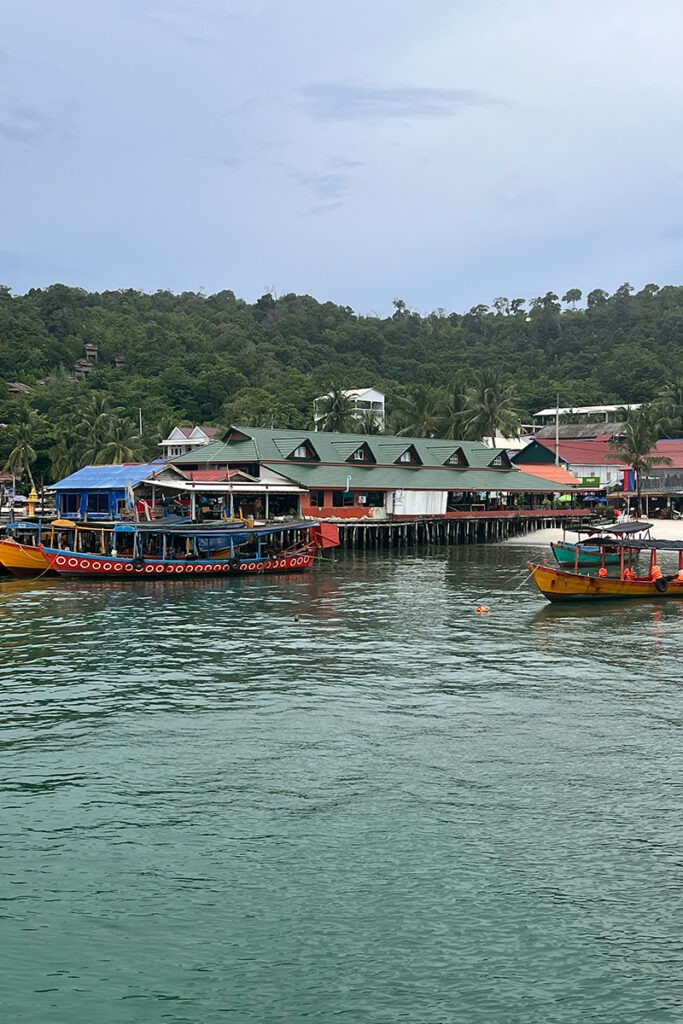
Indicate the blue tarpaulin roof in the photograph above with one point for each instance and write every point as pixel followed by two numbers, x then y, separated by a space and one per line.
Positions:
pixel 104 478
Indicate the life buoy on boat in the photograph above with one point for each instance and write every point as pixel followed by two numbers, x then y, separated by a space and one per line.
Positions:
pixel 662 585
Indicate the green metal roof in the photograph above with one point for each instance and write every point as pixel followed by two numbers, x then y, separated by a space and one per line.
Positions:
pixel 272 448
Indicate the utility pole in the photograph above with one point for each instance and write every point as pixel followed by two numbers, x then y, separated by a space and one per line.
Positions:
pixel 140 412
pixel 557 430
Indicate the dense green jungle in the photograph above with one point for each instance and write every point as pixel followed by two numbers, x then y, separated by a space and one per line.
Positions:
pixel 216 359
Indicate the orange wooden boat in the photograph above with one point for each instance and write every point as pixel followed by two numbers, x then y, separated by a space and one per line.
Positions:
pixel 560 585
pixel 22 559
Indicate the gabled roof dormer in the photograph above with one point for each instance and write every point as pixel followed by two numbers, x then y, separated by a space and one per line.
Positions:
pixel 457 458
pixel 362 454
pixel 501 460
pixel 304 451
pixel 409 457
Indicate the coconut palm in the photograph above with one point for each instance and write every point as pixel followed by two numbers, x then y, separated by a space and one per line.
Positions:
pixel 121 443
pixel 24 432
pixel 419 414
pixel 670 408
pixel 453 421
pixel 491 406
pixel 367 423
pixel 635 447
pixel 338 411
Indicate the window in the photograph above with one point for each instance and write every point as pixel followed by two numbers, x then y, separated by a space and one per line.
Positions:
pixel 70 504
pixel 360 455
pixel 316 499
pixel 340 499
pixel 98 502
pixel 410 456
pixel 304 451
pixel 457 459
pixel 374 499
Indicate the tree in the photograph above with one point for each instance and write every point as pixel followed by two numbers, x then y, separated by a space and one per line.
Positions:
pixel 670 409
pixel 573 296
pixel 598 297
pixel 419 414
pixel 122 443
pixel 635 447
pixel 491 406
pixel 367 423
pixel 502 305
pixel 453 421
pixel 24 435
pixel 338 411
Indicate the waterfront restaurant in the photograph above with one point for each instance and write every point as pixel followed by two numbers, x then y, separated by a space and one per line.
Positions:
pixel 358 476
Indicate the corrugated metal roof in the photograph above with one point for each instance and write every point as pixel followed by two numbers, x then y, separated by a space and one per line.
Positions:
pixel 102 478
pixel 555 474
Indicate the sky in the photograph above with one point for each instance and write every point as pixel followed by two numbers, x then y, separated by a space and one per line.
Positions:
pixel 444 152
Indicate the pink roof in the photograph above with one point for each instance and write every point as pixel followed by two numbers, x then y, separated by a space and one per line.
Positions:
pixel 211 476
pixel 584 453
pixel 672 450
pixel 594 453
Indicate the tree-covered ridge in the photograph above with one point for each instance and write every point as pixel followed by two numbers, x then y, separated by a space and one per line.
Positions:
pixel 216 358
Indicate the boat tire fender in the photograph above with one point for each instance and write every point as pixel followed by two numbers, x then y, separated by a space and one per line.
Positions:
pixel 662 585
pixel 138 562
pixel 234 564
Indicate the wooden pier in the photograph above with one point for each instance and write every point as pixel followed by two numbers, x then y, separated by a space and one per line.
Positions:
pixel 458 528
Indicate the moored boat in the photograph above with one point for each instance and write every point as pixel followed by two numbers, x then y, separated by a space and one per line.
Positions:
pixel 561 585
pixel 192 550
pixel 20 550
pixel 589 550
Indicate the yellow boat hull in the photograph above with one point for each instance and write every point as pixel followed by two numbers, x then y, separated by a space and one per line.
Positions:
pixel 557 585
pixel 22 559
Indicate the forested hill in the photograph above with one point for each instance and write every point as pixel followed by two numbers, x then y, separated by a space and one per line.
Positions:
pixel 217 358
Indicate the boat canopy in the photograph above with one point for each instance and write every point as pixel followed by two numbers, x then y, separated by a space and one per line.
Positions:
pixel 215 527
pixel 612 529
pixel 638 543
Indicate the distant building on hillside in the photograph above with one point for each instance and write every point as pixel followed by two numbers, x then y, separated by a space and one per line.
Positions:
pixel 584 413
pixel 182 440
pixel 364 400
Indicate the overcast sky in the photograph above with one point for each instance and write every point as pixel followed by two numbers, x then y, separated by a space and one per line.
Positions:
pixel 441 151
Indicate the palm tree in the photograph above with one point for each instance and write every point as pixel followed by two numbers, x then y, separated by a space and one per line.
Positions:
pixel 670 407
pixel 338 411
pixel 453 421
pixel 491 406
pixel 23 454
pixel 367 423
pixel 418 414
pixel 635 447
pixel 122 443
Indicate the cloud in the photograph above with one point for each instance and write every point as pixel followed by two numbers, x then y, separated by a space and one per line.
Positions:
pixel 324 186
pixel 330 101
pixel 22 125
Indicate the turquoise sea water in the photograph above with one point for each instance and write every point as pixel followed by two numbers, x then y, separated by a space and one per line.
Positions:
pixel 389 809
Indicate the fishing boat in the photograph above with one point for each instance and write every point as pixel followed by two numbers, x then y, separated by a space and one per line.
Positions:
pixel 561 585
pixel 189 550
pixel 589 550
pixel 20 551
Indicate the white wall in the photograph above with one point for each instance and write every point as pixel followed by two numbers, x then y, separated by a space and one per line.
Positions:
pixel 417 503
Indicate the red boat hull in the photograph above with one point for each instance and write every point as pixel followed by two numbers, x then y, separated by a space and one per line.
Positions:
pixel 71 563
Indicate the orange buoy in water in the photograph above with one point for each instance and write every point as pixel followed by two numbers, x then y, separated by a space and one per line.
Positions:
pixel 482 609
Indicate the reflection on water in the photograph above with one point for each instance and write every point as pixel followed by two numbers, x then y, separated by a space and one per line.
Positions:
pixel 340 794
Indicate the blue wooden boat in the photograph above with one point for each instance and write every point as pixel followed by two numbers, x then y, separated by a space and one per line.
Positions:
pixel 592 547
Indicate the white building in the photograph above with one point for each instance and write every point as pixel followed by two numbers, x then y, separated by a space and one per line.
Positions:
pixel 588 413
pixel 364 400
pixel 185 439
